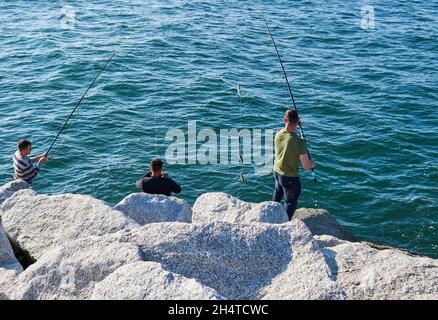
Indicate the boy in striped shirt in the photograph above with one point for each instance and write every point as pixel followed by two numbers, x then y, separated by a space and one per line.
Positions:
pixel 25 167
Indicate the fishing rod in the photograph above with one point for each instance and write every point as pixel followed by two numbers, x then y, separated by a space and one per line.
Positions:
pixel 89 87
pixel 287 84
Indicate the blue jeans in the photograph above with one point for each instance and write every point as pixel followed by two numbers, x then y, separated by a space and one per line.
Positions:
pixel 290 188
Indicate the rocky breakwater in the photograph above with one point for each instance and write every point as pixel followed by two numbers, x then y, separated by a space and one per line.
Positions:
pixel 154 247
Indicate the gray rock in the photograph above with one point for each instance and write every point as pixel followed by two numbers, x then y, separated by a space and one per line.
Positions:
pixel 71 271
pixel 8 189
pixel 15 185
pixel 307 276
pixel 7 257
pixel 148 208
pixel 356 271
pixel 236 260
pixel 87 250
pixel 149 281
pixel 320 222
pixel 326 241
pixel 8 278
pixel 367 273
pixel 39 222
pixel 9 265
pixel 218 206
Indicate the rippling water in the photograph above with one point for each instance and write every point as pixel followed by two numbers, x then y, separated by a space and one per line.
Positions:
pixel 368 99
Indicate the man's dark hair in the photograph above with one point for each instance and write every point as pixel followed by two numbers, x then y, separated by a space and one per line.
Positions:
pixel 156 164
pixel 23 144
pixel 291 116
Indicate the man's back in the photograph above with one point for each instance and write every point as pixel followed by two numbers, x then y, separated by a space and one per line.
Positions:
pixel 288 148
pixel 23 168
pixel 158 185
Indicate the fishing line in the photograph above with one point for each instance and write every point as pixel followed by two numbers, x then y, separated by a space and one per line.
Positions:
pixel 92 83
pixel 242 177
pixel 238 88
pixel 156 134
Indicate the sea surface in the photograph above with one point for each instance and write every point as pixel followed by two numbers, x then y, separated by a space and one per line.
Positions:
pixel 364 75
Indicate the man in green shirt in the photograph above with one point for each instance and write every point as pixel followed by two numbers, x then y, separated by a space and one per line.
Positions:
pixel 289 149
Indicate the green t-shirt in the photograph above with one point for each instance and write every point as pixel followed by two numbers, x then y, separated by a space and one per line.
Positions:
pixel 288 148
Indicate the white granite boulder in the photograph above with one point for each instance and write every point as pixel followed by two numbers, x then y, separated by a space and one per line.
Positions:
pixel 357 271
pixel 237 260
pixel 70 271
pixel 307 276
pixel 9 265
pixel 8 278
pixel 9 188
pixel 40 222
pixel 148 208
pixel 283 261
pixel 86 249
pixel 367 273
pixel 7 257
pixel 149 281
pixel 218 206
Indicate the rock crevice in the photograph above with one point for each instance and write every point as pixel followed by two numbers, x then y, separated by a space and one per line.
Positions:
pixel 23 256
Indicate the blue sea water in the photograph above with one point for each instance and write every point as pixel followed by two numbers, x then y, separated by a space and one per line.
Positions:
pixel 366 92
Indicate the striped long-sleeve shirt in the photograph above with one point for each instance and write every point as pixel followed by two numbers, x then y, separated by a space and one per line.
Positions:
pixel 24 168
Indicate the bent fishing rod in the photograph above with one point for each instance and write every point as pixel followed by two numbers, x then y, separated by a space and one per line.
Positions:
pixel 89 87
pixel 287 84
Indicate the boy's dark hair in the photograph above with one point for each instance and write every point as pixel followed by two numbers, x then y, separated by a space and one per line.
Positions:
pixel 291 116
pixel 156 164
pixel 23 144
